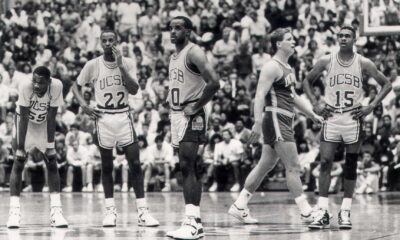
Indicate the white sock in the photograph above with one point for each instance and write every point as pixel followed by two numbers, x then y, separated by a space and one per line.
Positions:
pixel 303 205
pixel 141 203
pixel 346 204
pixel 243 199
pixel 55 200
pixel 192 210
pixel 110 202
pixel 323 202
pixel 14 201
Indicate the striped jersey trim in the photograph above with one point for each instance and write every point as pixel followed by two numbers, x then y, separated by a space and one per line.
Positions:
pixel 344 64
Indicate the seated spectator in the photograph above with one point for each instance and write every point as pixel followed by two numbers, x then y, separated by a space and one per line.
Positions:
pixel 336 174
pixel 367 175
pixel 208 159
pixel 77 161
pixel 4 163
pixel 159 162
pixel 228 155
pixel 35 166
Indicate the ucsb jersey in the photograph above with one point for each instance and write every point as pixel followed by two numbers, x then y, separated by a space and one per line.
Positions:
pixel 39 106
pixel 185 85
pixel 343 83
pixel 109 87
pixel 280 95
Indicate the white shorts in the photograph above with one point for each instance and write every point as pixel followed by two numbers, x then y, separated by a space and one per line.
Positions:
pixel 115 129
pixel 36 135
pixel 341 127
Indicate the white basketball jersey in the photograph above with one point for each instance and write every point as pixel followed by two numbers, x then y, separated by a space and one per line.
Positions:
pixel 38 106
pixel 343 83
pixel 185 85
pixel 109 88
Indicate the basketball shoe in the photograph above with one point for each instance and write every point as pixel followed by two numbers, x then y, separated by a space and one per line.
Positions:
pixel 14 217
pixel 321 220
pixel 57 219
pixel 110 217
pixel 145 219
pixel 344 219
pixel 242 214
pixel 191 228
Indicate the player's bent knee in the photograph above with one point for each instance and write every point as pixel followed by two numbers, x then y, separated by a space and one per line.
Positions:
pixel 350 166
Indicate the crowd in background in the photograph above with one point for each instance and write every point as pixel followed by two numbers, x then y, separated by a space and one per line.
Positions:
pixel 64 35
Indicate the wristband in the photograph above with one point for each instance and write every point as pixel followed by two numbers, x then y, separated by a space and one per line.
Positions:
pixel 50 145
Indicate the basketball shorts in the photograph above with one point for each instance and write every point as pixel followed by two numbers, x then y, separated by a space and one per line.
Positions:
pixel 36 135
pixel 188 128
pixel 341 127
pixel 277 126
pixel 115 129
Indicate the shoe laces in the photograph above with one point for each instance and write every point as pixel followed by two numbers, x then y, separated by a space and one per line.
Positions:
pixel 345 215
pixel 188 221
pixel 319 214
pixel 111 211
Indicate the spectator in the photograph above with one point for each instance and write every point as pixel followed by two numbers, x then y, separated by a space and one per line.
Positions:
pixel 228 154
pixel 368 175
pixel 159 162
pixel 77 161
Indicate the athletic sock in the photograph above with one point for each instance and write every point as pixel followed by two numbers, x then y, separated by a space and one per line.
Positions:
pixel 141 203
pixel 243 199
pixel 55 200
pixel 323 203
pixel 14 201
pixel 346 204
pixel 110 202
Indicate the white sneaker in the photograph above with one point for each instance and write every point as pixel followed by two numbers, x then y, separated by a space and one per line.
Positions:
pixel 14 217
pixel 89 187
pixel 84 189
pixel 145 219
pixel 27 189
pixel 213 187
pixel 190 229
pixel 117 188
pixel 100 188
pixel 167 188
pixel 124 187
pixel 45 189
pixel 57 219
pixel 242 215
pixel 67 189
pixel 110 217
pixel 235 187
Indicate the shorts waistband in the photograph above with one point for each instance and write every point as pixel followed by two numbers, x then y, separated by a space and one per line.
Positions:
pixel 342 110
pixel 279 110
pixel 113 111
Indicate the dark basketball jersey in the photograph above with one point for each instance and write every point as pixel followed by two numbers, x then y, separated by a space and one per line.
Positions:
pixel 280 95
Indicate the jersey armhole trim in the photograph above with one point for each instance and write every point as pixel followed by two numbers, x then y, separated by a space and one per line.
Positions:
pixel 187 66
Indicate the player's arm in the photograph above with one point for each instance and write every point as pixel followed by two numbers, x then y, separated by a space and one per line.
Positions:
pixel 128 76
pixel 269 73
pixel 198 58
pixel 305 107
pixel 371 70
pixel 313 75
pixel 22 126
pixel 84 78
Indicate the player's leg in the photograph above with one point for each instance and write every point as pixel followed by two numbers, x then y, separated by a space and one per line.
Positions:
pixel 266 163
pixel 167 174
pixel 136 174
pixel 327 154
pixel 287 152
pixel 110 217
pixel 56 217
pixel 349 184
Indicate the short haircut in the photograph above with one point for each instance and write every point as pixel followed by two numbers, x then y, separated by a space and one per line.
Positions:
pixel 277 36
pixel 187 22
pixel 42 71
pixel 107 30
pixel 348 27
pixel 159 138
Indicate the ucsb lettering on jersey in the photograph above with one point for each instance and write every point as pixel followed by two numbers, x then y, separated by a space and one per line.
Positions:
pixel 344 78
pixel 113 80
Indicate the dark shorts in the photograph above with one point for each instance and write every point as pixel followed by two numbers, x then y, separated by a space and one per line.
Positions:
pixel 277 127
pixel 188 128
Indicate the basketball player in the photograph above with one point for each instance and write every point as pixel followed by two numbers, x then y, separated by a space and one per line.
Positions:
pixel 343 113
pixel 193 83
pixel 34 130
pixel 273 115
pixel 113 77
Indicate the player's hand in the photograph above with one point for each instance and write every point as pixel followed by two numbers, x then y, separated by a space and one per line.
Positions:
pixel 92 112
pixel 190 110
pixel 51 152
pixel 322 110
pixel 20 154
pixel 117 55
pixel 362 112
pixel 317 119
pixel 255 133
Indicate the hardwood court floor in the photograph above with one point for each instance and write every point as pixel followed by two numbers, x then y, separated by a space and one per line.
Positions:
pixel 373 216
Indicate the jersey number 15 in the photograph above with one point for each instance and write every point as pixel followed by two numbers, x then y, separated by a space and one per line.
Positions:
pixel 347 98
